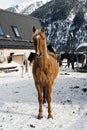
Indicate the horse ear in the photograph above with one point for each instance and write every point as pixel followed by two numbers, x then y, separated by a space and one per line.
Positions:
pixel 43 29
pixel 34 29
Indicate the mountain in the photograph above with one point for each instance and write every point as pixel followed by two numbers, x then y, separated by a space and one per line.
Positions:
pixel 25 7
pixel 65 22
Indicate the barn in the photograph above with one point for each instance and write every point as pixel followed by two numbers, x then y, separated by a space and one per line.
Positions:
pixel 15 34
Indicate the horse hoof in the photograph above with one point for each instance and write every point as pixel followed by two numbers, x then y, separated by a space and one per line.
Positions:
pixel 50 116
pixel 39 117
pixel 44 102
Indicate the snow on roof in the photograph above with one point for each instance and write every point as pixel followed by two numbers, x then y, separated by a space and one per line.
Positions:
pixel 18 54
pixel 83 45
pixel 6 65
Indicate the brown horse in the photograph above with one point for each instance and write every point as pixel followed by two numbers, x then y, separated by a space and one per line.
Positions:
pixel 45 70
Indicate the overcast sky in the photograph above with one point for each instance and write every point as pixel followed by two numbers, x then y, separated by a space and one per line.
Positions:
pixel 7 3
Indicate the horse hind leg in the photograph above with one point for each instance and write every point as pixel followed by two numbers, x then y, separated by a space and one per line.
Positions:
pixel 44 95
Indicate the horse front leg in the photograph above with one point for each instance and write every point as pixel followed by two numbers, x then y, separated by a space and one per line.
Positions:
pixel 49 102
pixel 40 115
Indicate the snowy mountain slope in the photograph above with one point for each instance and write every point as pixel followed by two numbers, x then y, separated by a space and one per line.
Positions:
pixel 65 23
pixel 27 7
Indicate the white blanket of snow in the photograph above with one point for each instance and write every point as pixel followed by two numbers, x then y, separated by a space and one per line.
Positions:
pixel 19 104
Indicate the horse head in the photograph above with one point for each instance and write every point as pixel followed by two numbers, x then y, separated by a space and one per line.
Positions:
pixel 39 40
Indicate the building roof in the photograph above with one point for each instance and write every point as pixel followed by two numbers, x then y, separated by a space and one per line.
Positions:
pixel 82 47
pixel 16 30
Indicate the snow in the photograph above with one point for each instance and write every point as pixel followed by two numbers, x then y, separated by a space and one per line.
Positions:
pixel 27 6
pixel 72 15
pixel 19 104
pixel 82 45
pixel 12 64
pixel 23 5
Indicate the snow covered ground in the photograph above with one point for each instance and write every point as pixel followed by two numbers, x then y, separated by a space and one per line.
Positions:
pixel 19 105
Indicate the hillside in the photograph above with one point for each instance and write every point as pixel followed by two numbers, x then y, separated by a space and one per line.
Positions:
pixel 26 7
pixel 65 22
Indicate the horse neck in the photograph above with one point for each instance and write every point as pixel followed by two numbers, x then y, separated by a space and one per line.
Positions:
pixel 44 51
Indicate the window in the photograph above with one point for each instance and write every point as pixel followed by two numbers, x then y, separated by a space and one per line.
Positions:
pixel 1 30
pixel 16 31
